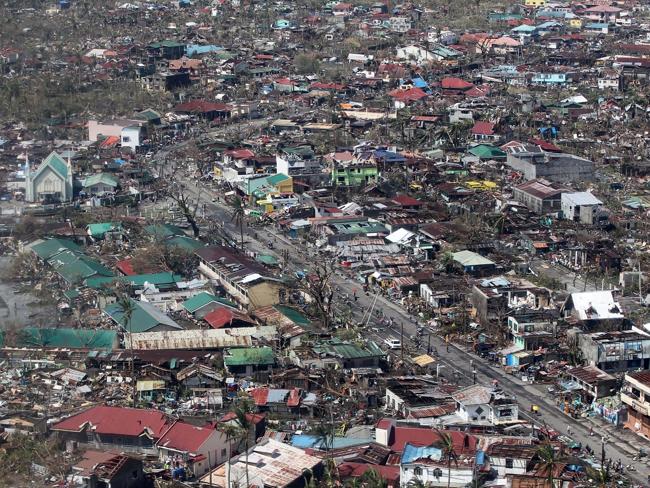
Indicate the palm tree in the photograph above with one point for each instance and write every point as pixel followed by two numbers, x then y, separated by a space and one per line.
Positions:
pixel 549 461
pixel 372 479
pixel 446 444
pixel 238 217
pixel 126 307
pixel 310 479
pixel 231 432
pixel 324 436
pixel 244 426
pixel 599 478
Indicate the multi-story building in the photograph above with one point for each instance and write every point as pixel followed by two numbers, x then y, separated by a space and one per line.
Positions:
pixel 636 395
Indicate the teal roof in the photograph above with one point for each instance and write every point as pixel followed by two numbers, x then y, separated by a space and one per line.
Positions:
pixel 255 356
pixel 63 338
pixel 264 182
pixel 144 317
pixel 164 230
pixel 199 301
pixel 103 178
pixel 185 242
pixel 75 268
pixel 98 230
pixel 55 162
pixel 293 315
pixel 486 151
pixel 156 279
pixel 165 43
pixel 267 259
pixel 45 249
pixel 349 350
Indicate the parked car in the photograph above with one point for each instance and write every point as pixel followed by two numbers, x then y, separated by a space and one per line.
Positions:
pixel 393 343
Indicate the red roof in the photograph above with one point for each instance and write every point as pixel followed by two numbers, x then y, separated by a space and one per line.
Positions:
pixel 455 84
pixel 356 470
pixel 254 418
pixel 419 436
pixel 294 398
pixel 260 396
pixel 545 146
pixel 410 95
pixel 110 141
pixel 131 422
pixel 407 201
pixel 126 267
pixel 482 128
pixel 240 153
pixel 201 107
pixel 318 85
pixel 223 316
pixel 185 437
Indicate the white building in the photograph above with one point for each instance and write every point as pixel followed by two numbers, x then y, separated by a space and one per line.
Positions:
pixel 426 464
pixel 581 207
pixel 202 446
pixel 479 404
pixel 415 54
pixel 130 133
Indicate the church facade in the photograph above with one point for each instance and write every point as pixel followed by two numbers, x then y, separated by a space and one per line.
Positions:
pixel 50 182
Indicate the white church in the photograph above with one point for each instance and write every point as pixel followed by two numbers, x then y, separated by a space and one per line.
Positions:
pixel 51 181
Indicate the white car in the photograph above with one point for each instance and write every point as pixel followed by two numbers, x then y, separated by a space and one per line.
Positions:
pixel 393 343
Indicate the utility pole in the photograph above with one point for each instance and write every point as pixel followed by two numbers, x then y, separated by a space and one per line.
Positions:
pixel 401 338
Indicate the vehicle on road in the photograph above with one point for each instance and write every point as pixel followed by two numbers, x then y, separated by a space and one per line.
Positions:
pixel 393 343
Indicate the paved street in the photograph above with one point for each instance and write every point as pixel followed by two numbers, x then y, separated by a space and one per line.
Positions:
pixel 457 364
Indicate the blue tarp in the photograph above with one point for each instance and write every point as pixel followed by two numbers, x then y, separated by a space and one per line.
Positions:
pixel 480 457
pixel 413 453
pixel 193 49
pixel 306 441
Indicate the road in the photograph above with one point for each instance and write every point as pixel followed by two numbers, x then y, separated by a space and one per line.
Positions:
pixel 456 364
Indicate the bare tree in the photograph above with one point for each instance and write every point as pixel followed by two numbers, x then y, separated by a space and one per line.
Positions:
pixel 318 286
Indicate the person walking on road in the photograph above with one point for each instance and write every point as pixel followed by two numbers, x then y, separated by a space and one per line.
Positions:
pixel 568 429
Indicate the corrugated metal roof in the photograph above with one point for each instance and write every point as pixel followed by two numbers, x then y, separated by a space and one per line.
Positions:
pixel 194 339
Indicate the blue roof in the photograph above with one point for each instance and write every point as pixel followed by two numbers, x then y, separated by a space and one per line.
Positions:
pixel 480 457
pixel 389 155
pixel 497 281
pixel 524 28
pixel 306 441
pixel 193 49
pixel 547 25
pixel 413 453
pixel 419 83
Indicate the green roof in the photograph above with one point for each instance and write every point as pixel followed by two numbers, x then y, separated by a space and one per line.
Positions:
pixel 71 294
pixel 103 178
pixel 57 163
pixel 164 230
pixel 45 249
pixel 293 315
pixel 199 301
pixel 264 182
pixel 165 43
pixel 486 151
pixel 143 318
pixel 157 279
pixel 64 338
pixel 75 268
pixel 100 229
pixel 148 114
pixel 267 259
pixel 186 243
pixel 256 356
pixel 349 350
